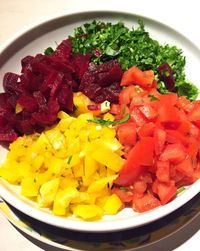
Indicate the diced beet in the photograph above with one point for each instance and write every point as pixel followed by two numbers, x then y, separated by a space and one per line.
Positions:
pixel 65 98
pixel 46 85
pixel 167 76
pixel 28 103
pixel 25 63
pixel 94 107
pixel 10 83
pixel 8 136
pixel 81 63
pixel 92 90
pixel 101 82
pixel 108 73
pixel 63 51
pixel 40 99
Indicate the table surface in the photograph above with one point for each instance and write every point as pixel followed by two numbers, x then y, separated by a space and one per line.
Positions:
pixel 17 14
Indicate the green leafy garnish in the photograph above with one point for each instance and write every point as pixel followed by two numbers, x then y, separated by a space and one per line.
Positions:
pixel 132 47
pixel 69 159
pixel 108 122
pixel 48 51
pixel 153 98
pixel 180 190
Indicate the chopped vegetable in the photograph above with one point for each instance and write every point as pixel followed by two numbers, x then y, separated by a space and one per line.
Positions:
pixel 161 150
pixel 134 47
pixel 108 122
pixel 48 51
pixel 63 169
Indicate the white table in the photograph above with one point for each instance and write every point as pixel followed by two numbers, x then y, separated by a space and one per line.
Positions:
pixel 16 14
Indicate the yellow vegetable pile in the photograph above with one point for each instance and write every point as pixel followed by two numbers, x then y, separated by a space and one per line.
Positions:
pixel 69 168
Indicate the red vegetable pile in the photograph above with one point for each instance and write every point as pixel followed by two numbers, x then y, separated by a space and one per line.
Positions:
pixel 161 141
pixel 45 86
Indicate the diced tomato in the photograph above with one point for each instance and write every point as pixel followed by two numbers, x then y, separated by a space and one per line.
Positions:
pixel 174 153
pixel 146 203
pixel 185 126
pixel 141 155
pixel 124 194
pixel 194 115
pixel 127 94
pixel 169 99
pixel 137 117
pixel 193 148
pixel 160 138
pixel 146 129
pixel 115 109
pixel 184 104
pixel 139 187
pixel 185 167
pixel 169 116
pixel 162 171
pixel 138 77
pixel 126 133
pixel 164 144
pixel 174 136
pixel 149 113
pixel 166 191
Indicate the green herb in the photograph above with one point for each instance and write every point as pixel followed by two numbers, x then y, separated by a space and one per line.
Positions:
pixel 108 122
pixel 48 51
pixel 153 98
pixel 69 159
pixel 132 47
pixel 180 190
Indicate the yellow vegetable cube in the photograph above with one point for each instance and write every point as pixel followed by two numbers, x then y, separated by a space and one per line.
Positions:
pixel 90 165
pixel 88 212
pixel 108 158
pixel 113 204
pixel 48 192
pixel 30 187
pixel 100 184
pixel 63 199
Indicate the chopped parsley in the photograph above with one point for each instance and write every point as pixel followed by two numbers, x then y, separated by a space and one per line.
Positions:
pixel 180 190
pixel 132 47
pixel 108 122
pixel 48 51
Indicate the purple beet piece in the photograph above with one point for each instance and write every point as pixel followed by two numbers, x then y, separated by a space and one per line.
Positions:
pixel 65 98
pixel 28 103
pixel 81 63
pixel 167 76
pixel 10 83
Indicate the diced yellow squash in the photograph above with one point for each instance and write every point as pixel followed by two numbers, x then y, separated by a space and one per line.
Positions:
pixel 113 204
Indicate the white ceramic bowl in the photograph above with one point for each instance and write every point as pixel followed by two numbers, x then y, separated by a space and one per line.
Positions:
pixel 43 35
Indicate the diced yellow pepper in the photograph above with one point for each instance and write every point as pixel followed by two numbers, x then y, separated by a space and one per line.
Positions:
pixel 113 204
pixel 48 192
pixel 29 187
pixel 90 165
pixel 63 199
pixel 108 158
pixel 100 184
pixel 88 212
